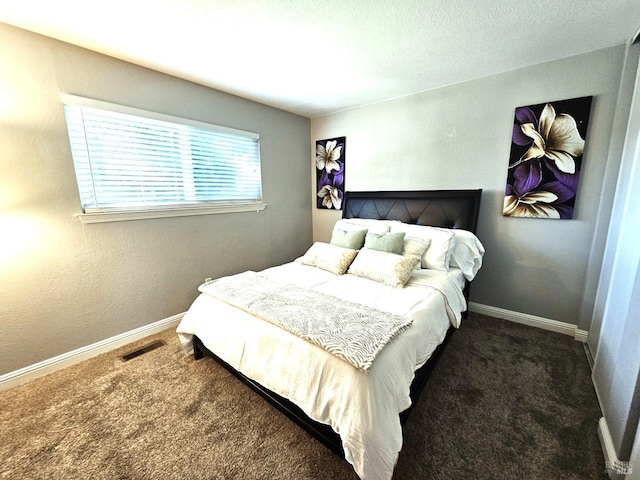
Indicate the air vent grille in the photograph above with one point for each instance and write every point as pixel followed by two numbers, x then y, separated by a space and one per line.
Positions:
pixel 142 350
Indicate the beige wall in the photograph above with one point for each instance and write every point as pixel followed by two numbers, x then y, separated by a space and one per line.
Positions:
pixel 64 285
pixel 459 137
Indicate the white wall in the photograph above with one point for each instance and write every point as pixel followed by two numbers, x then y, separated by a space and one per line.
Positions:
pixel 624 135
pixel 616 371
pixel 459 137
pixel 64 285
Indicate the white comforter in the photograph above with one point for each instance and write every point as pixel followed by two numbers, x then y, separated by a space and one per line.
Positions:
pixel 362 408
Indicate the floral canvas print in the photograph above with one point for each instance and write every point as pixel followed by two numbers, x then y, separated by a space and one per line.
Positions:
pixel 547 144
pixel 330 157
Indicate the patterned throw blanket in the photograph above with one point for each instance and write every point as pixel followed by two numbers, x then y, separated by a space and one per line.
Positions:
pixel 352 332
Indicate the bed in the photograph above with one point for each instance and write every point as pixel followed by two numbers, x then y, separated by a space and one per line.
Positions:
pixel 354 402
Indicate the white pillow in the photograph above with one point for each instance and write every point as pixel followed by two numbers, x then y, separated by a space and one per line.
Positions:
pixel 438 254
pixel 467 253
pixel 329 257
pixel 372 225
pixel 384 267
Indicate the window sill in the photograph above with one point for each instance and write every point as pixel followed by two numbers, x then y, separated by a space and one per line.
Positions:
pixel 122 216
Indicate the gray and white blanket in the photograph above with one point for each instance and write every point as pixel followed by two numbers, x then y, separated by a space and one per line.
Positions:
pixel 352 332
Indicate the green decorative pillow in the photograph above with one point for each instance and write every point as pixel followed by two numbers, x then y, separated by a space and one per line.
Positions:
pixel 353 239
pixel 385 242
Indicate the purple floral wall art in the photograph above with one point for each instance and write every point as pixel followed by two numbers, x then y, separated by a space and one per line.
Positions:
pixel 330 158
pixel 547 144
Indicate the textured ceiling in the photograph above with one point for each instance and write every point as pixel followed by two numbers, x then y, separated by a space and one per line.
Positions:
pixel 316 57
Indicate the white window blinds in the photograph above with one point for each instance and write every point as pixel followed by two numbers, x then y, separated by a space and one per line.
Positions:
pixel 130 159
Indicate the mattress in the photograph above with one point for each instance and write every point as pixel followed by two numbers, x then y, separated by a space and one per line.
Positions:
pixel 363 408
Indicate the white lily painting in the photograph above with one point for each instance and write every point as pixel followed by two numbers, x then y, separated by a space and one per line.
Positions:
pixel 547 146
pixel 330 158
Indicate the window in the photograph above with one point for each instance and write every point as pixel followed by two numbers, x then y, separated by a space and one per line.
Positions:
pixel 132 163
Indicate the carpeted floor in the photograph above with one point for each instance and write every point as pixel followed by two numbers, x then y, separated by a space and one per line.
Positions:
pixel 505 401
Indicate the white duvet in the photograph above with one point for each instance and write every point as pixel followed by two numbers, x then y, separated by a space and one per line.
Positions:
pixel 363 408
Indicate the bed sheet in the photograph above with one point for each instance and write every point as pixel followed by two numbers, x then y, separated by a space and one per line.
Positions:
pixel 362 408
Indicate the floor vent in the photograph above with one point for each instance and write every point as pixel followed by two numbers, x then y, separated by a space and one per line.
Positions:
pixel 143 350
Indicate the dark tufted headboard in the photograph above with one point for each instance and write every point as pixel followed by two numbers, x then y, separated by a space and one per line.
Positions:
pixel 438 208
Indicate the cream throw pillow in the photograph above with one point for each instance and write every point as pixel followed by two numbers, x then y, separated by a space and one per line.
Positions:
pixel 388 268
pixel 333 258
pixel 415 247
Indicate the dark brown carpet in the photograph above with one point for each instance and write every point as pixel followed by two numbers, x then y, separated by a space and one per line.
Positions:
pixel 505 401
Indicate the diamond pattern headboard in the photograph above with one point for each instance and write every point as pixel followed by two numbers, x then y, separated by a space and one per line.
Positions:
pixel 440 208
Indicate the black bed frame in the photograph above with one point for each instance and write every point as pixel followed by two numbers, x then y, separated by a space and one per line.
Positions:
pixel 441 208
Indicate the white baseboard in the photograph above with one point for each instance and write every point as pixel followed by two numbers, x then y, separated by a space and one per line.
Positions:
pixel 531 320
pixel 31 372
pixel 615 469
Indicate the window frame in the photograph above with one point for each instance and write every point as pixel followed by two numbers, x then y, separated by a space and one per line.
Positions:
pixel 117 214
